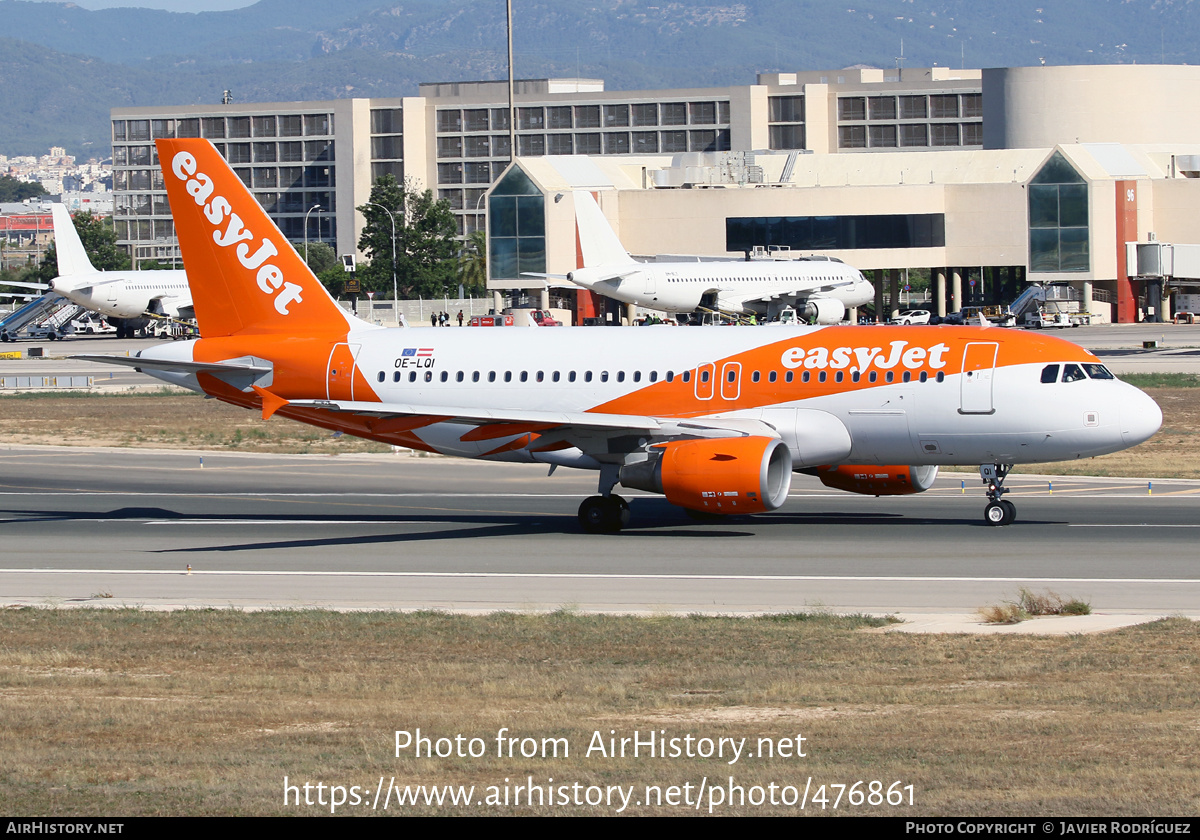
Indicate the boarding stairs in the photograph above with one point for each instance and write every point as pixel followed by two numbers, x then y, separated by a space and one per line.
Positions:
pixel 31 313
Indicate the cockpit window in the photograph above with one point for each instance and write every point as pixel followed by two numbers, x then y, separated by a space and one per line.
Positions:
pixel 1098 372
pixel 1073 373
pixel 1050 373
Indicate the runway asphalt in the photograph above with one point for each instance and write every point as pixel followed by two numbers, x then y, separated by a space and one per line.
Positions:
pixel 122 527
pixel 362 532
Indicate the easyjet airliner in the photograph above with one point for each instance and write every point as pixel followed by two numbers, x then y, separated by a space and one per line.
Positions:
pixel 717 419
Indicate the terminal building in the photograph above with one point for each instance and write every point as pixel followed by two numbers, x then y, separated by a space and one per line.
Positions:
pixel 987 180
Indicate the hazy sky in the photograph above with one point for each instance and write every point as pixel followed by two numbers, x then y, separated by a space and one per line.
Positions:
pixel 169 5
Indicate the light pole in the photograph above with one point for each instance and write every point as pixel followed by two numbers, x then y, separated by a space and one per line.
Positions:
pixel 310 209
pixel 395 289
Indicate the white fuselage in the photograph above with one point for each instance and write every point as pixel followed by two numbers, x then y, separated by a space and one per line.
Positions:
pixel 758 286
pixel 129 294
pixel 833 395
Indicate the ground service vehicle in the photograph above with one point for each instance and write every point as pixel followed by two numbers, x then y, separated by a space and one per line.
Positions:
pixel 715 419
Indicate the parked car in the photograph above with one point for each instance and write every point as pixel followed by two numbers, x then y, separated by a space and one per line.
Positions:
pixel 912 316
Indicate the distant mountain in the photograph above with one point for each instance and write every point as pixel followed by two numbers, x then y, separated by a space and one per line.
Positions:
pixel 65 66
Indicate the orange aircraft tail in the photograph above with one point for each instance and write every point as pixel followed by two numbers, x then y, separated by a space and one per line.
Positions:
pixel 245 277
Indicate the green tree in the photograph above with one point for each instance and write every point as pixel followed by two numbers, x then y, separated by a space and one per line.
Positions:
pixel 99 241
pixel 472 264
pixel 426 247
pixel 12 189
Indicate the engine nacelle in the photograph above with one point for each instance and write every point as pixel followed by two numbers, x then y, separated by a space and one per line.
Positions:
pixel 717 475
pixel 823 311
pixel 877 480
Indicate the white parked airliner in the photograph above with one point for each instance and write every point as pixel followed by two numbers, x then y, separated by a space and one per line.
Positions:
pixel 716 419
pixel 129 298
pixel 820 289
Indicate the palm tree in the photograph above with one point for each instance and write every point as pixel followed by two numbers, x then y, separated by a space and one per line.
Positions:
pixel 472 264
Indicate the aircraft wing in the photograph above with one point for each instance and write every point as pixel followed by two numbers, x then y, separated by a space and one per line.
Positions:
pixel 591 432
pixel 800 292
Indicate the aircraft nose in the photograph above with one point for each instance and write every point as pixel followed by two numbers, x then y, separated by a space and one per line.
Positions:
pixel 1140 417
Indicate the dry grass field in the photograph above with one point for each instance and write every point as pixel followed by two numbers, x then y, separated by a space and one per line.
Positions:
pixel 119 712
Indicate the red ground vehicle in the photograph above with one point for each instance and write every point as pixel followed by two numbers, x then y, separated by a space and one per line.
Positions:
pixel 490 321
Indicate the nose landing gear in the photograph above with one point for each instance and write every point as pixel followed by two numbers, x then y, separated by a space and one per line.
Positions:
pixel 999 511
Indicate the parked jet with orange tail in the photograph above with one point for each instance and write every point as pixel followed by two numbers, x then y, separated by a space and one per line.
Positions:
pixel 716 419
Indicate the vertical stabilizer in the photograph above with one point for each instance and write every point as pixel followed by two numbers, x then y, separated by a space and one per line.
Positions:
pixel 72 258
pixel 245 276
pixel 597 241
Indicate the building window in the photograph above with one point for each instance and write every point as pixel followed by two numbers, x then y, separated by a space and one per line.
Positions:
pixel 139 130
pixel 820 233
pixel 561 144
pixel 852 137
pixel 881 136
pixel 449 147
pixel 517 227
pixel 882 107
pixel 188 128
pixel 531 119
pixel 944 134
pixel 942 106
pixel 385 121
pixel 291 125
pixel 852 108
pixel 1058 218
pixel 786 108
pixel 475 119
pixel 616 143
pixel 479 173
pixel 703 113
pixel 972 134
pixel 674 141
pixel 315 124
pixel 645 142
pixel 238 126
pixel 972 105
pixel 914 135
pixel 264 153
pixel 587 144
pixel 292 152
pixel 587 116
pixel 387 148
pixel 559 117
pixel 616 116
pixel 645 114
pixel 499 119
pixel 674 113
pixel 532 144
pixel 787 136
pixel 162 129
pixel 449 120
pixel 213 126
pixel 913 107
pixel 450 173
pixel 264 126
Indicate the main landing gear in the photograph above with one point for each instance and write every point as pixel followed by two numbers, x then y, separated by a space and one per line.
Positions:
pixel 999 511
pixel 606 513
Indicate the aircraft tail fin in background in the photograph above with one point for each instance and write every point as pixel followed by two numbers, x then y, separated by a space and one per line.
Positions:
pixel 597 241
pixel 72 258
pixel 245 276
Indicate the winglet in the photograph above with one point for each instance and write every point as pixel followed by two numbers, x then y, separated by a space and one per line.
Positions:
pixel 270 402
pixel 245 276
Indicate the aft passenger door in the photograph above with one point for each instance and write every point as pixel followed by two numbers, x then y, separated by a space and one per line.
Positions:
pixel 978 369
pixel 340 376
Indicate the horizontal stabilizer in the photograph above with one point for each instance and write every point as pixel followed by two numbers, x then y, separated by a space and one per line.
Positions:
pixel 174 365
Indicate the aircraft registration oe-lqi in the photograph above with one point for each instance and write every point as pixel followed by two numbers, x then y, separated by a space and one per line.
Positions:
pixel 717 419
